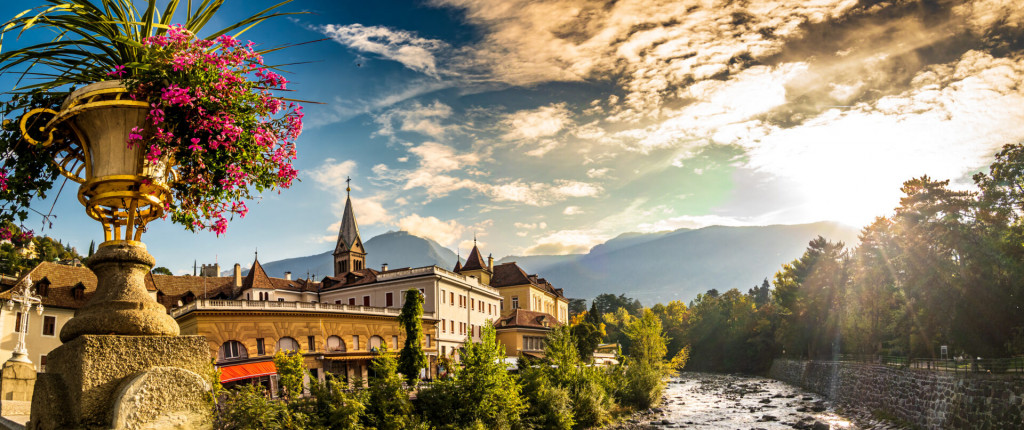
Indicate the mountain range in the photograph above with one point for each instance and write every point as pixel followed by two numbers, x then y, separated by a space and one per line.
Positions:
pixel 652 267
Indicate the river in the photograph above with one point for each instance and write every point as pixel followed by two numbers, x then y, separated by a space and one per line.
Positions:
pixel 715 401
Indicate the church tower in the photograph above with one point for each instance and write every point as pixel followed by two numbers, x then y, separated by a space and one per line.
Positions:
pixel 349 254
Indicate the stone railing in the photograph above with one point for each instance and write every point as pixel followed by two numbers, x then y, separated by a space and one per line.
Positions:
pixel 292 306
pixel 434 270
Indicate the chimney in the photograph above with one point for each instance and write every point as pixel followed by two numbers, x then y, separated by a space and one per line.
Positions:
pixel 384 267
pixel 490 262
pixel 238 275
pixel 287 276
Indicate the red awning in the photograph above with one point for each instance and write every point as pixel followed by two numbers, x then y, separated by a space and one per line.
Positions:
pixel 247 370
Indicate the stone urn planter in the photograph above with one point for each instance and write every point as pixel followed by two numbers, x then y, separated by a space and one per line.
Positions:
pixel 124 192
pixel 122 364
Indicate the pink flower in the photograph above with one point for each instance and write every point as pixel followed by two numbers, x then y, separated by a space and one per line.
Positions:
pixel 117 72
pixel 195 144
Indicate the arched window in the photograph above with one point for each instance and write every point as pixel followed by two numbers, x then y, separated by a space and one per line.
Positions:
pixel 232 350
pixel 375 342
pixel 287 344
pixel 335 344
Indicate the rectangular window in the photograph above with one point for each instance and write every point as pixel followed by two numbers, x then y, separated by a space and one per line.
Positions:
pixel 394 343
pixel 352 301
pixel 451 298
pixel 443 298
pixel 260 349
pixel 389 298
pixel 451 326
pixel 489 309
pixel 366 300
pixel 42 363
pixel 472 304
pixel 428 341
pixel 423 292
pixel 17 322
pixel 355 342
pixel 49 325
pixel 515 302
pixel 311 342
pixel 443 349
pixel 502 303
pixel 337 302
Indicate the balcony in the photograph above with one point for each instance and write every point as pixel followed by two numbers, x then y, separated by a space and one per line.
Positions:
pixel 269 306
pixel 472 283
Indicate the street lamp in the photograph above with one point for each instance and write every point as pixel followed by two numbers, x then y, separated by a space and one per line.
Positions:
pixel 27 300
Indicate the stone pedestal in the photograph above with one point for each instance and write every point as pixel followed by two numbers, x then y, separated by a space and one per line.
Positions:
pixel 17 379
pixel 125 382
pixel 121 304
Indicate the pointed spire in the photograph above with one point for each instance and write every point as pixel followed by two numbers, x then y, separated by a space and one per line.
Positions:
pixel 474 261
pixel 348 234
pixel 257 277
pixel 458 261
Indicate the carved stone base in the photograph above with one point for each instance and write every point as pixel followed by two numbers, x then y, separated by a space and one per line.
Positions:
pixel 125 382
pixel 16 384
pixel 121 305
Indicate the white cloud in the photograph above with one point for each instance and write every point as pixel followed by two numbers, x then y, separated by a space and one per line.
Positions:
pixel 530 124
pixel 566 242
pixel 597 173
pixel 572 210
pixel 405 47
pixel 332 173
pixel 443 232
pixel 418 118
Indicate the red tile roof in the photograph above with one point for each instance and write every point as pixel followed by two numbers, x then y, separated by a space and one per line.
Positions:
pixel 257 277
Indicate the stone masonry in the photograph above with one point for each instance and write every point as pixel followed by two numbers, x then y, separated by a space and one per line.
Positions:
pixel 927 399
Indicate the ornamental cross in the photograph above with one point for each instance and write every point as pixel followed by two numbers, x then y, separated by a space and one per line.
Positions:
pixel 348 185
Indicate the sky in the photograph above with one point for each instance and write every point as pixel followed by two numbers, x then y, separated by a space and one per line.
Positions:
pixel 547 127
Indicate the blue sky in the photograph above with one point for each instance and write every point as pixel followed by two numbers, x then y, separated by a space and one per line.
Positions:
pixel 546 127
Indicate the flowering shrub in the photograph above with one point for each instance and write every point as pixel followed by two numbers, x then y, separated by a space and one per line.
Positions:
pixel 214 117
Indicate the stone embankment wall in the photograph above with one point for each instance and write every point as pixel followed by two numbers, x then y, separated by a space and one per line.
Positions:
pixel 927 399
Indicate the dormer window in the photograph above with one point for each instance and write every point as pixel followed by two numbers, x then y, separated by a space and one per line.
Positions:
pixel 43 287
pixel 78 291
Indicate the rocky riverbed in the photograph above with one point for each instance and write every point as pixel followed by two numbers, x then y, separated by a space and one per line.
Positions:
pixel 714 401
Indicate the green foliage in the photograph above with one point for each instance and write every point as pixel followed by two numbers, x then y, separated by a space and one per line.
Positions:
pixel 645 366
pixel 161 271
pixel 412 358
pixel 607 303
pixel 336 407
pixel 480 394
pixel 549 406
pixel 587 337
pixel 577 306
pixel 15 260
pixel 248 408
pixel 92 39
pixel 388 406
pixel 563 369
pixel 291 370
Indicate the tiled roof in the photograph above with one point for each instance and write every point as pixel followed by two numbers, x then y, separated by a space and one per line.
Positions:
pixel 510 274
pixel 458 266
pixel 350 279
pixel 62 279
pixel 474 261
pixel 171 289
pixel 527 319
pixel 257 277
